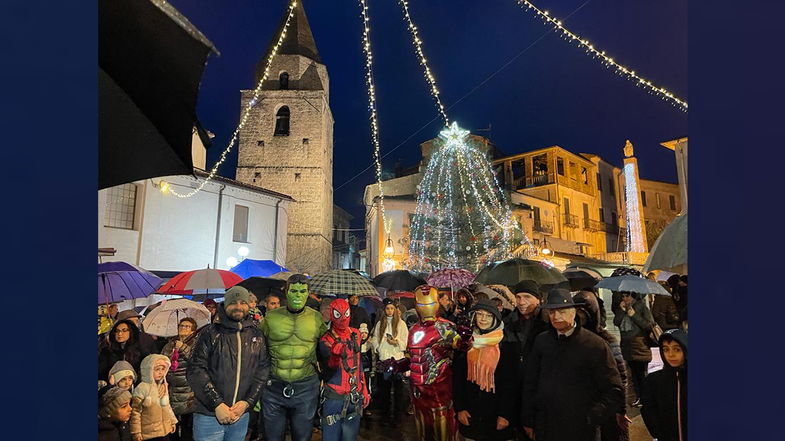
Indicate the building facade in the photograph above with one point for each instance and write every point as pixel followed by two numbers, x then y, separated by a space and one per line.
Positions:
pixel 287 144
pixel 346 243
pixel 573 203
pixel 160 232
pixel 661 203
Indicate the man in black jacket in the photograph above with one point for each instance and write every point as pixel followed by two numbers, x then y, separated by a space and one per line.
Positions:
pixel 227 370
pixel 572 384
pixel 521 327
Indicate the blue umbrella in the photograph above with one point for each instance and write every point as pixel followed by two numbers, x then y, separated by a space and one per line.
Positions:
pixel 256 268
pixel 118 281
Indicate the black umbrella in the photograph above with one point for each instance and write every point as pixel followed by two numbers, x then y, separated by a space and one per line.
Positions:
pixel 151 60
pixel 581 278
pixel 262 286
pixel 512 271
pixel 398 280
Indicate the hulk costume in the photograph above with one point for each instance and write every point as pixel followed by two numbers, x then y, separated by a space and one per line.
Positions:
pixel 292 392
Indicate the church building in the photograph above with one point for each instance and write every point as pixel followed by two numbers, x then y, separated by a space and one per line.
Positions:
pixel 287 144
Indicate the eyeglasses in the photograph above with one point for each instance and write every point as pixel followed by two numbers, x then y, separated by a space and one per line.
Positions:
pixel 121 331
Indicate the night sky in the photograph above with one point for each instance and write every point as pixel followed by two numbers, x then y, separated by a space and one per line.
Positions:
pixel 551 94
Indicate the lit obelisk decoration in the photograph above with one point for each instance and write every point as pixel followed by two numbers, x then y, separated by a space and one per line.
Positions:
pixel 636 234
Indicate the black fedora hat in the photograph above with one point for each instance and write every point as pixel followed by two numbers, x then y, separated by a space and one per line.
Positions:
pixel 559 298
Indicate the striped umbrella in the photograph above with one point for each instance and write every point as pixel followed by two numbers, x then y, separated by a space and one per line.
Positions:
pixel 200 280
pixel 341 283
pixel 453 278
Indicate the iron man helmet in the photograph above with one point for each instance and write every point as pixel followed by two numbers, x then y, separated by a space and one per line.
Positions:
pixel 427 304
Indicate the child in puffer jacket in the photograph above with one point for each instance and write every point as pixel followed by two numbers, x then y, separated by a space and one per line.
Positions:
pixel 152 417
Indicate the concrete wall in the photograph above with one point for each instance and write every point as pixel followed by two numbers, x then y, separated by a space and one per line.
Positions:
pixel 177 234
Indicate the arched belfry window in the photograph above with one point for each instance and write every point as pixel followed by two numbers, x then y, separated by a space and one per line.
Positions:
pixel 282 122
pixel 283 80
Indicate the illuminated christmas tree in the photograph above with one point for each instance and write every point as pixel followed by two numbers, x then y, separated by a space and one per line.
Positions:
pixel 462 219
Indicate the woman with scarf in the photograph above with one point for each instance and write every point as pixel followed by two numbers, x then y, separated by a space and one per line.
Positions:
pixel 390 336
pixel 478 375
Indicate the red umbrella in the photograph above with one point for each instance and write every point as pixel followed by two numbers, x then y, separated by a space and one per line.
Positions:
pixel 200 280
pixel 401 295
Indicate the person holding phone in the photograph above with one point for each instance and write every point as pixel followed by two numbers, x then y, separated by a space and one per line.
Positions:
pixel 389 342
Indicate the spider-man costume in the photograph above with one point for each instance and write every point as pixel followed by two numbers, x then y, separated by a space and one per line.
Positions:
pixel 432 341
pixel 345 393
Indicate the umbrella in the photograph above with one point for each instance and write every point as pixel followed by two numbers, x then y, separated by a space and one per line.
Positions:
pixel 118 281
pixel 261 286
pixel 200 280
pixel 343 283
pixel 669 252
pixel 453 278
pixel 581 278
pixel 164 318
pixel 401 295
pixel 151 60
pixel 398 280
pixel 283 275
pixel 512 271
pixel 502 293
pixel 256 268
pixel 635 284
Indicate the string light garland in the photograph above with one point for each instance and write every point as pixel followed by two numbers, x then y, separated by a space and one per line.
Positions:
pixel 372 109
pixel 462 219
pixel 424 61
pixel 246 112
pixel 608 61
pixel 634 228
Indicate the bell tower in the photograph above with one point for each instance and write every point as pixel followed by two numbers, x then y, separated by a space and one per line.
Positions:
pixel 287 144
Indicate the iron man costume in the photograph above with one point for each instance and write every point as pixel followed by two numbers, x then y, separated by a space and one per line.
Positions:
pixel 432 341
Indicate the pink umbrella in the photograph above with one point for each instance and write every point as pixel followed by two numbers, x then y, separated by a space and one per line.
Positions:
pixel 453 278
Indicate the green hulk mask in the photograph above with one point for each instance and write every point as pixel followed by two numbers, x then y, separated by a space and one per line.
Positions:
pixel 296 296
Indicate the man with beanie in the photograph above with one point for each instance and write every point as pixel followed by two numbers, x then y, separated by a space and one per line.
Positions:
pixel 114 411
pixel 520 329
pixel 227 370
pixel 572 384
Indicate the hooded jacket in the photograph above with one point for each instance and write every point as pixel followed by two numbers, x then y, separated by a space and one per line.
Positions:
pixel 664 397
pixel 152 415
pixel 228 364
pixel 571 386
pixel 109 430
pixel 180 394
pixel 131 351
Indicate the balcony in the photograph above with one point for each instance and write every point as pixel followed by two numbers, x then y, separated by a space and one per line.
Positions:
pixel 543 227
pixel 610 228
pixel 594 225
pixel 533 181
pixel 571 221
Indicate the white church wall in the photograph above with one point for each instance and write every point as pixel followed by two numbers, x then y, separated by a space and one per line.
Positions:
pixel 178 234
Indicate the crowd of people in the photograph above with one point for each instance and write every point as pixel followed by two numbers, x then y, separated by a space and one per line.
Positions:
pixel 522 362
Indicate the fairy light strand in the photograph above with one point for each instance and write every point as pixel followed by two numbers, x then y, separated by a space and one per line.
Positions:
pixel 424 61
pixel 372 108
pixel 608 61
pixel 246 112
pixel 634 229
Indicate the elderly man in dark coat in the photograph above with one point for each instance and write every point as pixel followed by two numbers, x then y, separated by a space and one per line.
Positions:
pixel 571 378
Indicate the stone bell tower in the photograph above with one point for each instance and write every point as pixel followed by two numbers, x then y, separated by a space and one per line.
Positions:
pixel 287 144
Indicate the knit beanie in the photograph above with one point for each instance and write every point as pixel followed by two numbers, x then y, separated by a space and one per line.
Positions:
pixel 363 328
pixel 236 294
pixel 120 370
pixel 110 398
pixel 528 286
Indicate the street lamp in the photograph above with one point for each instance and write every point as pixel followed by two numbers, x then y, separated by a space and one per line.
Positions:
pixel 231 262
pixel 243 252
pixel 545 249
pixel 389 250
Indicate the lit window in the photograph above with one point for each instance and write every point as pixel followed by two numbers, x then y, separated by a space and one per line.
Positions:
pixel 657 198
pixel 120 206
